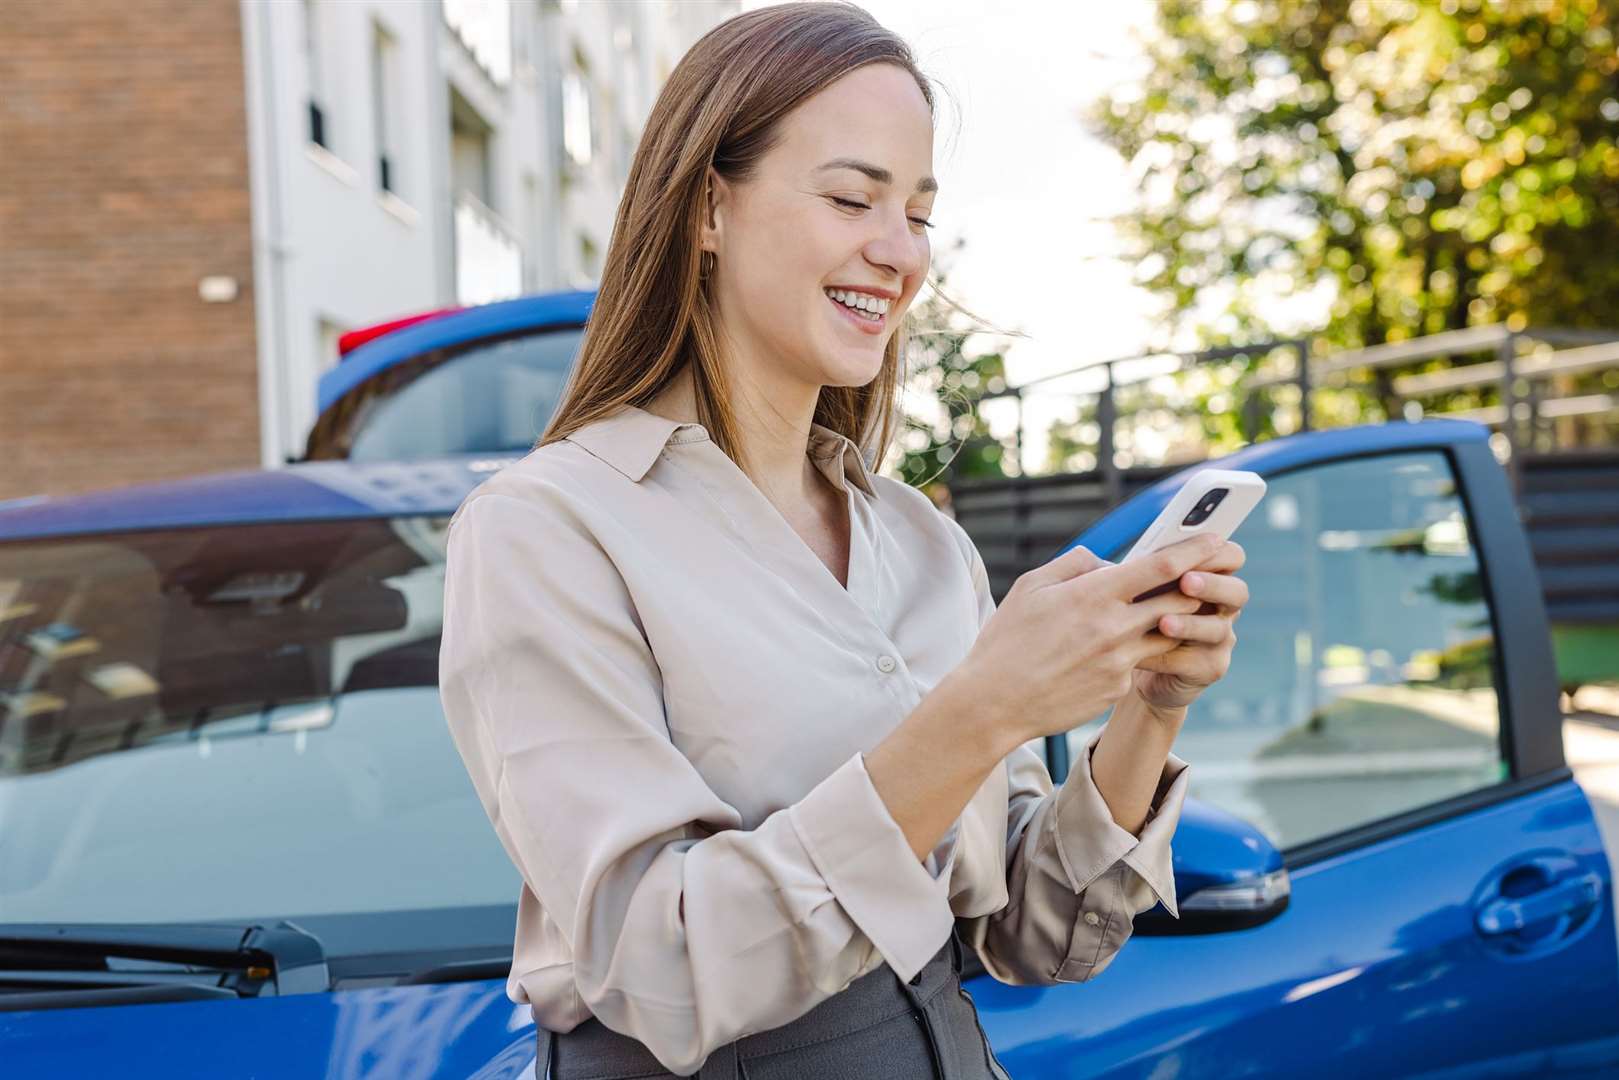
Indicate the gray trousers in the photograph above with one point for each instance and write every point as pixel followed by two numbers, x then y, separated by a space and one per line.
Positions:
pixel 880 1028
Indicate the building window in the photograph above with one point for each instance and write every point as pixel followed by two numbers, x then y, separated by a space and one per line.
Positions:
pixel 326 334
pixel 533 209
pixel 484 27
pixel 576 117
pixel 319 118
pixel 588 255
pixel 471 168
pixel 386 107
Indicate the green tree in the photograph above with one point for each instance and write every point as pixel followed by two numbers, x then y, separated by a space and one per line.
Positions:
pixel 1071 444
pixel 1416 165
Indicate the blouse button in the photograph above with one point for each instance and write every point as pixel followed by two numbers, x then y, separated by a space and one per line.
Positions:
pixel 1092 918
pixel 885 664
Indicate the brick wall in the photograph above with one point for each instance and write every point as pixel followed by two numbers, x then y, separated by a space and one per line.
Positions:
pixel 123 183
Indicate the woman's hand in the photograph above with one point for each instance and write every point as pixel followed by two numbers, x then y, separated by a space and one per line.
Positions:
pixel 1200 653
pixel 1064 644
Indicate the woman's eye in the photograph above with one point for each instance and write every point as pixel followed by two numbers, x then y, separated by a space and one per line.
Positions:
pixel 862 206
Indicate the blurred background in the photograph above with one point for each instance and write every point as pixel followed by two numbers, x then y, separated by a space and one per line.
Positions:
pixel 200 200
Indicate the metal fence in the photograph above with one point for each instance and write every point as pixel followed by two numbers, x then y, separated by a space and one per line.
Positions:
pixel 1570 503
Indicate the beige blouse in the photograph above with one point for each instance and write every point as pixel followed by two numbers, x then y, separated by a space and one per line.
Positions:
pixel 662 696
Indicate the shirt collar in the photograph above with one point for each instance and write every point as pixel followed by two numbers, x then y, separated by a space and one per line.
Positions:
pixel 631 439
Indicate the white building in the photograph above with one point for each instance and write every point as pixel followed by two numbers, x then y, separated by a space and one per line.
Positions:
pixel 412 154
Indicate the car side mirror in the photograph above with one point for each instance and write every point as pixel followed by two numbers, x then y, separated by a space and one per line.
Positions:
pixel 1228 876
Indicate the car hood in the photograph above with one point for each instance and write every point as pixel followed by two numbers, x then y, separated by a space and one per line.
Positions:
pixel 315 490
pixel 461 1030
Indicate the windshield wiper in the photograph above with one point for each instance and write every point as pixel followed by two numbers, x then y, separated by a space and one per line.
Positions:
pixel 69 965
pixel 493 967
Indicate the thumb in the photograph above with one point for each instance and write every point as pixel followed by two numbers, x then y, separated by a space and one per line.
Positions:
pixel 1073 563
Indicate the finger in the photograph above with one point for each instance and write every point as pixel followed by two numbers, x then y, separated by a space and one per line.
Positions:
pixel 1197 661
pixel 1195 629
pixel 1134 577
pixel 1227 559
pixel 1144 616
pixel 1153 647
pixel 1074 562
pixel 1194 665
pixel 1221 589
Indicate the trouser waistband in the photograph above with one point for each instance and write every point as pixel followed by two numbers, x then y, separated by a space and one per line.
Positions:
pixel 874 997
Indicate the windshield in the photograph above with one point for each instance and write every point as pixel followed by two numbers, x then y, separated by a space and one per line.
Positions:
pixel 231 723
pixel 489 397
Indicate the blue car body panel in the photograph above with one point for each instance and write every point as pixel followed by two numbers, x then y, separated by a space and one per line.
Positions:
pixel 452 1031
pixel 535 312
pixel 309 491
pixel 1374 968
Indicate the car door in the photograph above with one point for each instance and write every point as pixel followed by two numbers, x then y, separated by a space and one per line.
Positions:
pixel 1390 722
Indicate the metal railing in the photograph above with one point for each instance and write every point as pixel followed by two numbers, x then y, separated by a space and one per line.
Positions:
pixel 1522 409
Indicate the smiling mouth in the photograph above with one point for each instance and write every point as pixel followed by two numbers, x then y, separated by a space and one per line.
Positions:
pixel 864 320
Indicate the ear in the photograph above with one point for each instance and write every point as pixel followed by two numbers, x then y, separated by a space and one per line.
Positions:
pixel 716 199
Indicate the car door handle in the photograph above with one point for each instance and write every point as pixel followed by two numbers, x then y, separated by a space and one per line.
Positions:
pixel 1509 915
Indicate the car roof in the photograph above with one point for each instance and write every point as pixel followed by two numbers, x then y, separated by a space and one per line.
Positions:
pixel 537 312
pixel 308 491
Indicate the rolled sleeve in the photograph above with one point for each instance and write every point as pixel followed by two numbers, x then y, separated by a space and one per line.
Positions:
pixel 1089 841
pixel 1116 874
pixel 687 931
pixel 1075 878
pixel 862 853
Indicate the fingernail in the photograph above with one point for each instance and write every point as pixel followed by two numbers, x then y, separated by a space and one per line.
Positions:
pixel 1194 581
pixel 1172 626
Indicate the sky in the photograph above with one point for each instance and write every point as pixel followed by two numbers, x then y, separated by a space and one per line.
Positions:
pixel 1025 185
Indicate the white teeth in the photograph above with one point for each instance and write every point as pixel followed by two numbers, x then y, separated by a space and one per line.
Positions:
pixel 859 301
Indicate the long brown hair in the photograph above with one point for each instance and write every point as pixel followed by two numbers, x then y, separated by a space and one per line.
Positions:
pixel 653 313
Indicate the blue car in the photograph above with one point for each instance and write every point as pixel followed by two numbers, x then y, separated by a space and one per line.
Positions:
pixel 236 839
pixel 452 381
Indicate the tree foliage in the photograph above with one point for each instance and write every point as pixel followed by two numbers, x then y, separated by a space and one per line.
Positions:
pixel 1409 166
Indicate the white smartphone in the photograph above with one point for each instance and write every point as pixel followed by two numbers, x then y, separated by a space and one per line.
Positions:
pixel 1211 500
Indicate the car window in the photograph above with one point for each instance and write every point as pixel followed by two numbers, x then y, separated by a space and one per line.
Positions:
pixel 1362 684
pixel 229 723
pixel 492 397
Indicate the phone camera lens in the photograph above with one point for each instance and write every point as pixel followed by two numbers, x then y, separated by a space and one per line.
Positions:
pixel 1205 507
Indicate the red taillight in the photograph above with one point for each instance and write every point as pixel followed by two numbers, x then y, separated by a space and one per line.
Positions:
pixel 352 340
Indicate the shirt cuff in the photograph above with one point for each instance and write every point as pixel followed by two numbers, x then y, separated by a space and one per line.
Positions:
pixel 862 854
pixel 1090 842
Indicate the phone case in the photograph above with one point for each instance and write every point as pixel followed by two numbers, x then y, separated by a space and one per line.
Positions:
pixel 1243 492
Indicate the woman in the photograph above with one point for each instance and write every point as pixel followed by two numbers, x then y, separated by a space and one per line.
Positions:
pixel 744 713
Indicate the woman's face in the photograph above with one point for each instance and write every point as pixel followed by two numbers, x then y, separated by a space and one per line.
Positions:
pixel 838 203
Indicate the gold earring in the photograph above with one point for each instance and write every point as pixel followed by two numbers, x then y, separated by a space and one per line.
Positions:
pixel 705 264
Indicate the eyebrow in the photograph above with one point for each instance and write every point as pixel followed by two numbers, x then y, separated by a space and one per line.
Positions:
pixel 876 172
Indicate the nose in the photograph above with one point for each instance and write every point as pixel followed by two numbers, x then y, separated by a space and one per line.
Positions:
pixel 896 247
